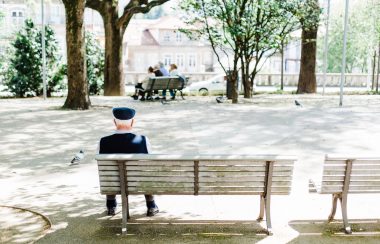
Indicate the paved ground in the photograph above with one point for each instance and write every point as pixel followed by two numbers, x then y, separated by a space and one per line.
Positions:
pixel 38 140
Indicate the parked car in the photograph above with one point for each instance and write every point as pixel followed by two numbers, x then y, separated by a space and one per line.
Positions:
pixel 214 84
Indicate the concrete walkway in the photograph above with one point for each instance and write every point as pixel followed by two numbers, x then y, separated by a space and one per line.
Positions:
pixel 38 140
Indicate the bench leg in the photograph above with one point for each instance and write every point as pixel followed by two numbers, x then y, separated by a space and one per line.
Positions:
pixel 128 216
pixel 182 95
pixel 343 203
pixel 267 214
pixel 124 211
pixel 262 206
pixel 333 209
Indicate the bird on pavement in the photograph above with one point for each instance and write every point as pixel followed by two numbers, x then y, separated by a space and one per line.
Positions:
pixel 297 103
pixel 220 99
pixel 77 158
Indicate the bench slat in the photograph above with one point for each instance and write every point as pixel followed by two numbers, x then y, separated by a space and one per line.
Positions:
pixel 248 184
pixel 160 174
pixel 107 163
pixel 333 177
pixel 110 189
pixel 108 173
pixel 161 178
pixel 364 188
pixel 243 162
pixel 365 183
pixel 184 192
pixel 108 168
pixel 149 184
pixel 109 178
pixel 365 166
pixel 154 189
pixel 160 168
pixel 365 172
pixel 158 163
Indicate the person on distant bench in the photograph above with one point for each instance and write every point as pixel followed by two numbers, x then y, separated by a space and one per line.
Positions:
pixel 158 73
pixel 139 88
pixel 162 69
pixel 124 141
pixel 174 72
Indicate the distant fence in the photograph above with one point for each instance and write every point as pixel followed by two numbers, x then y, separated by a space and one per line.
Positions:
pixel 264 79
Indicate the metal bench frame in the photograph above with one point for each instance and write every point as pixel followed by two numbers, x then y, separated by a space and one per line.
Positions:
pixel 281 165
pixel 166 83
pixel 358 174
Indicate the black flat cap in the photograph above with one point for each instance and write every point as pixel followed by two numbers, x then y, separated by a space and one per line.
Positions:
pixel 123 113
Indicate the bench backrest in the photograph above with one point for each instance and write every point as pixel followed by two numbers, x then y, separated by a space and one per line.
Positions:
pixel 195 175
pixel 164 82
pixel 353 174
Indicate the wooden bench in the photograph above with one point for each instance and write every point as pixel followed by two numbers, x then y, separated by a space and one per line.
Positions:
pixel 132 174
pixel 348 175
pixel 174 83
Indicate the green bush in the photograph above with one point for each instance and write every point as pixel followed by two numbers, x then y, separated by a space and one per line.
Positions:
pixel 95 64
pixel 24 74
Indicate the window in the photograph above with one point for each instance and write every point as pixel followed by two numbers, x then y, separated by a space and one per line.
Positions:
pixel 167 37
pixel 180 60
pixel 178 36
pixel 167 59
pixel 192 60
pixel 17 17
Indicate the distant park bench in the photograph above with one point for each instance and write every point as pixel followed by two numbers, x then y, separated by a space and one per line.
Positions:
pixel 137 174
pixel 174 83
pixel 348 175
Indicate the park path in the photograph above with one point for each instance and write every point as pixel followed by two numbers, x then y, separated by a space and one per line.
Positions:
pixel 38 140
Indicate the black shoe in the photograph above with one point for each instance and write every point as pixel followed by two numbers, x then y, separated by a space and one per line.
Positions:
pixel 172 98
pixel 111 211
pixel 152 211
pixel 142 99
pixel 135 97
pixel 157 98
pixel 163 98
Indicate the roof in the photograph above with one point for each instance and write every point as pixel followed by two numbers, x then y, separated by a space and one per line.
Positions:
pixel 169 23
pixel 147 39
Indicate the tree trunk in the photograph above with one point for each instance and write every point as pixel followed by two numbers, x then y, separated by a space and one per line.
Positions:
pixel 77 97
pixel 282 66
pixel 245 79
pixel 233 77
pixel 248 88
pixel 378 69
pixel 113 68
pixel 307 82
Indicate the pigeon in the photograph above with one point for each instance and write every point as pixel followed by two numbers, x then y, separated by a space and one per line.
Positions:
pixel 77 158
pixel 220 99
pixel 297 103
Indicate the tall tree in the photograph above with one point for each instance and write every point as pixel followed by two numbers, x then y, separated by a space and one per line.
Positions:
pixel 308 13
pixel 219 22
pixel 266 27
pixel 115 26
pixel 77 97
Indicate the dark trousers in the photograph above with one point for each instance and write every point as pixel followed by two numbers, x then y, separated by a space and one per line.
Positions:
pixel 111 201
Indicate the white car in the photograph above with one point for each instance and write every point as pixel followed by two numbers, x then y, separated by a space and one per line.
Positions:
pixel 214 84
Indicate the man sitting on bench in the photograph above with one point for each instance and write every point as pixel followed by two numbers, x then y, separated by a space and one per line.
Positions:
pixel 124 141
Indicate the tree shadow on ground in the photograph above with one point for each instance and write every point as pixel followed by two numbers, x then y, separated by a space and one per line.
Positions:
pixel 320 231
pixel 37 145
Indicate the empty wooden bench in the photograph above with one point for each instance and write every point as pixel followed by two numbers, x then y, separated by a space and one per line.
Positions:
pixel 348 175
pixel 174 83
pixel 132 174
